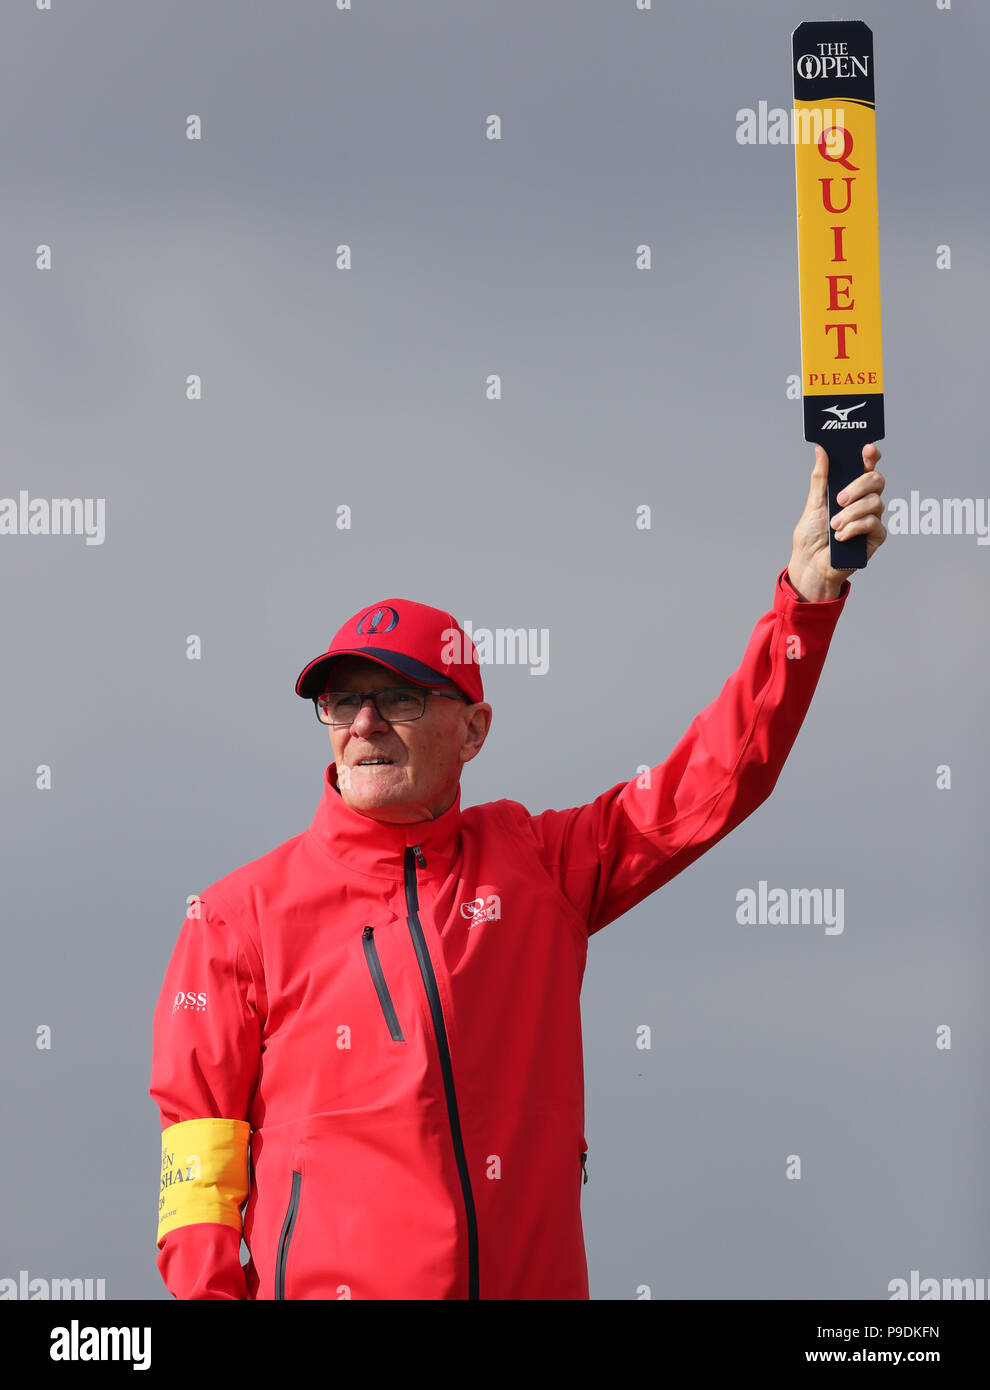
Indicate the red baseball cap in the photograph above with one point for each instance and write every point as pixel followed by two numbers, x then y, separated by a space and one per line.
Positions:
pixel 425 645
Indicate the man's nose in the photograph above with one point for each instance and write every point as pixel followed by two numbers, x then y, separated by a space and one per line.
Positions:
pixel 368 720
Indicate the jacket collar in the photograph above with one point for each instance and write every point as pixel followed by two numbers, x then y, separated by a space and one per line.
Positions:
pixel 378 847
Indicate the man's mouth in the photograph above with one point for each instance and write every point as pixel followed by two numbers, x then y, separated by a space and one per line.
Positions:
pixel 374 762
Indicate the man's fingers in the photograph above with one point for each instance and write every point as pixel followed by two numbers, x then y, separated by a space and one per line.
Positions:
pixel 866 506
pixel 862 486
pixel 869 481
pixel 818 494
pixel 866 525
pixel 871 456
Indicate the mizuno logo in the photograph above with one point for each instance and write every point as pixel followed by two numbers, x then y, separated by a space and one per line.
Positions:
pixel 842 413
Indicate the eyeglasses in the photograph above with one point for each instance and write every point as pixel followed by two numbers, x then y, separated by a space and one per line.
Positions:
pixel 397 705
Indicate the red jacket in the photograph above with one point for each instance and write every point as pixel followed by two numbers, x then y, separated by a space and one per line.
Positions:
pixel 378 1026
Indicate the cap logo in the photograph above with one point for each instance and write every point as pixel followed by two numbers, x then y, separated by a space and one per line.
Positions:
pixel 377 621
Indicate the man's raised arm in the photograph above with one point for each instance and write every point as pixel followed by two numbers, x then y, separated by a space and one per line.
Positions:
pixel 608 855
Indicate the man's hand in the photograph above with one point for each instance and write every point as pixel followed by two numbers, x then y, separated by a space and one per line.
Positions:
pixel 809 570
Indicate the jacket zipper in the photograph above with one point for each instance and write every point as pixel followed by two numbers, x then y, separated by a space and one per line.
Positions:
pixel 378 975
pixel 283 1241
pixel 414 855
pixel 584 1164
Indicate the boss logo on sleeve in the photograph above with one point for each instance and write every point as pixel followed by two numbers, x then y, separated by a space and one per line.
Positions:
pixel 190 999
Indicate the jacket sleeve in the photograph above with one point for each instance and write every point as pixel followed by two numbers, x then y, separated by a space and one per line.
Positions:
pixel 205 1056
pixel 610 854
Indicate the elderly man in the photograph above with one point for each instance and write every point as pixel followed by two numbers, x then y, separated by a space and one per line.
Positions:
pixel 367 1049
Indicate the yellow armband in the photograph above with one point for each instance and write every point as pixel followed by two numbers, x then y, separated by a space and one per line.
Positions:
pixel 204 1173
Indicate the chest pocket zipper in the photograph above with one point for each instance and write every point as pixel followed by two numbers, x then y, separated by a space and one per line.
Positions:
pixel 288 1225
pixel 378 976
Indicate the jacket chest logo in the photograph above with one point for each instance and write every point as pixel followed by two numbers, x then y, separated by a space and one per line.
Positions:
pixel 478 910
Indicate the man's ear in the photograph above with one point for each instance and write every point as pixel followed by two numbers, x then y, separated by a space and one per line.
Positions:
pixel 478 724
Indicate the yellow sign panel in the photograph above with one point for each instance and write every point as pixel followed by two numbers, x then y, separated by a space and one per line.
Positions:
pixel 838 246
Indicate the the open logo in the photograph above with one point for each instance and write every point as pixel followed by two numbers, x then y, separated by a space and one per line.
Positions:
pixel 480 910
